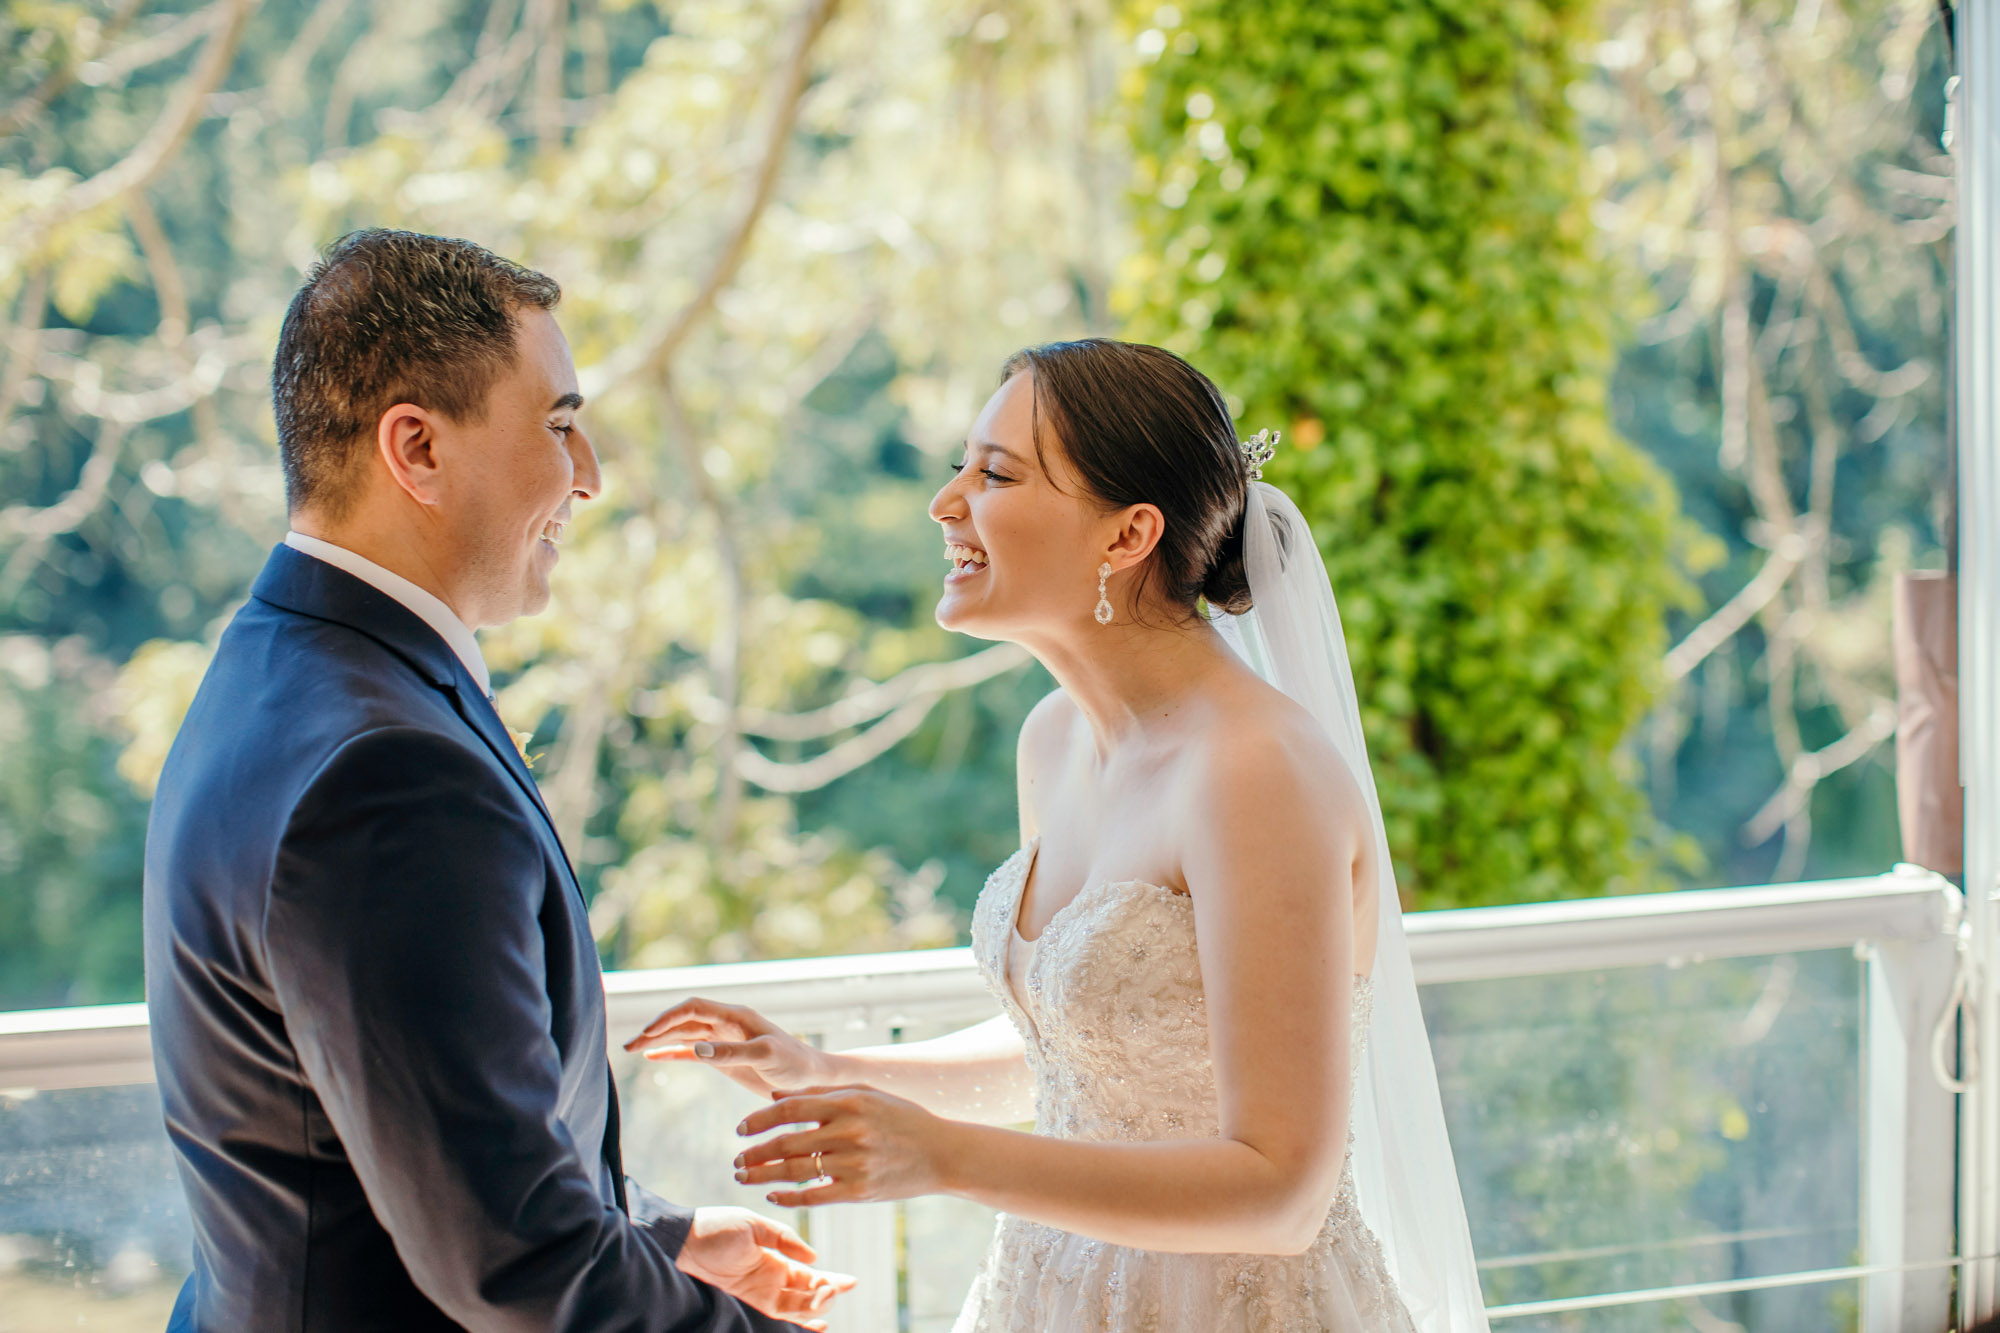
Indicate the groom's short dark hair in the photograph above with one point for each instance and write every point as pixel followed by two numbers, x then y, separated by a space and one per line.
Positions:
pixel 389 317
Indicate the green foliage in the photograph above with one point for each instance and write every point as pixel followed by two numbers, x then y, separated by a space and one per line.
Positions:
pixel 69 833
pixel 1366 220
pixel 792 259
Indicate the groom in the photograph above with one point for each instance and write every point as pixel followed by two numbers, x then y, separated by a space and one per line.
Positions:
pixel 376 1010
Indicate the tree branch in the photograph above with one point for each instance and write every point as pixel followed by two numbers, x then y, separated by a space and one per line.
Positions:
pixel 41 526
pixel 25 342
pixel 843 758
pixel 551 21
pixel 117 66
pixel 156 151
pixel 288 77
pixel 1809 768
pixel 168 285
pixel 725 657
pixel 655 347
pixel 88 396
pixel 23 112
pixel 871 702
pixel 1735 613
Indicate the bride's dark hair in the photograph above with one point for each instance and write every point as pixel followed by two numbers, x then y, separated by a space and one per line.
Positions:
pixel 1141 426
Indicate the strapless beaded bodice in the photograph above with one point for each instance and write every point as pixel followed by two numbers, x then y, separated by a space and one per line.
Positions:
pixel 1115 1019
pixel 1116 1030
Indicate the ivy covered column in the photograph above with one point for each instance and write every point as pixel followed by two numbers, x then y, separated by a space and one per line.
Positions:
pixel 1368 221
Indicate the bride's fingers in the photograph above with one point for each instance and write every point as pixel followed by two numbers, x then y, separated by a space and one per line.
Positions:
pixel 792 1170
pixel 692 1027
pixel 687 1011
pixel 796 1109
pixel 685 1045
pixel 834 1192
pixel 802 1144
pixel 755 1051
pixel 688 1031
pixel 697 1009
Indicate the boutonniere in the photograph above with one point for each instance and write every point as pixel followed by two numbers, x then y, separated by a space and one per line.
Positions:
pixel 521 739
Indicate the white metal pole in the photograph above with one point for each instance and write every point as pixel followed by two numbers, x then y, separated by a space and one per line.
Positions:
pixel 1977 149
pixel 1907 1160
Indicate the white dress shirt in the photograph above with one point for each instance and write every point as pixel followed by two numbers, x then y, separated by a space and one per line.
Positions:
pixel 427 607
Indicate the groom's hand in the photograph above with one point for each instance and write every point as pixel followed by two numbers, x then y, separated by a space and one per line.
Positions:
pixel 761 1263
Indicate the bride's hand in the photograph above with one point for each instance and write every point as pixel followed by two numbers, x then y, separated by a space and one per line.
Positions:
pixel 870 1146
pixel 736 1041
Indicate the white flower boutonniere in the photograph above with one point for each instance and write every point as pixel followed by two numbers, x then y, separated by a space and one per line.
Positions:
pixel 521 739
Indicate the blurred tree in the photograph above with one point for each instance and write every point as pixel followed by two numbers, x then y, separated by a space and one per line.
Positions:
pixel 1775 170
pixel 1368 222
pixel 780 226
pixel 799 236
pixel 70 831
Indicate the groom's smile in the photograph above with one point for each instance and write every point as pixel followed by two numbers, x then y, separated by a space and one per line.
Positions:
pixel 533 460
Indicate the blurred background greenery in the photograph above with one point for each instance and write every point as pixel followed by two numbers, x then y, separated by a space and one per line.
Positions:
pixel 1608 337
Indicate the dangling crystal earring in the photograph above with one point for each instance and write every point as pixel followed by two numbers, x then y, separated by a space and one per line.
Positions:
pixel 1103 612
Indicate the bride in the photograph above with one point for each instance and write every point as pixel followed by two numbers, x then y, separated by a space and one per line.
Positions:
pixel 1198 949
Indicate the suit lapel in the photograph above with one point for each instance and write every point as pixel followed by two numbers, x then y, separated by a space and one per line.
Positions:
pixel 481 715
pixel 296 582
pixel 484 718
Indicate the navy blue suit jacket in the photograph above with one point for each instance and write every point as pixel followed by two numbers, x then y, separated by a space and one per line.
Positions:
pixel 377 1015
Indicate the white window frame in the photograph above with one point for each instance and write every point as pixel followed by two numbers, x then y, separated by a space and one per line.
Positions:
pixel 1977 302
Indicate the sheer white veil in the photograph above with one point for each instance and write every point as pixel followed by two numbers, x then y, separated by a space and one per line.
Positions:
pixel 1403 1170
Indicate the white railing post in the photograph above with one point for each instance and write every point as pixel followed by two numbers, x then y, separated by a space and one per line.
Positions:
pixel 1907 1160
pixel 860 1238
pixel 1977 150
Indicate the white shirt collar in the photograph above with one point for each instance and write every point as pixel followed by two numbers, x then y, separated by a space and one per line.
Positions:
pixel 427 607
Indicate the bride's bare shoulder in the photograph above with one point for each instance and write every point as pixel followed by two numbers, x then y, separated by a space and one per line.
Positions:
pixel 1046 737
pixel 1260 763
pixel 1050 729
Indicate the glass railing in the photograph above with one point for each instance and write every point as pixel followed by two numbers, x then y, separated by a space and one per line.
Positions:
pixel 1709 1109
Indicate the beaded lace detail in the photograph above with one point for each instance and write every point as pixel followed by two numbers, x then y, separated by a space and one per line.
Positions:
pixel 1117 1038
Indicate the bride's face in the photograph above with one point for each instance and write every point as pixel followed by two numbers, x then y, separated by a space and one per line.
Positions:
pixel 1024 545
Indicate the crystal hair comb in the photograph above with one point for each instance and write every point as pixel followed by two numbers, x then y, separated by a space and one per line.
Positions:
pixel 1258 450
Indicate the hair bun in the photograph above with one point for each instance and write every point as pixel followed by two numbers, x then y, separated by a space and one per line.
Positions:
pixel 1226 585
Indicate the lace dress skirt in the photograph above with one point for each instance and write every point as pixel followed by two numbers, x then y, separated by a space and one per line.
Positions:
pixel 1048 1281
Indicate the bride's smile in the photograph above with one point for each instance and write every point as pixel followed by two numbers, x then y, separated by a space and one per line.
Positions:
pixel 1024 552
pixel 965 560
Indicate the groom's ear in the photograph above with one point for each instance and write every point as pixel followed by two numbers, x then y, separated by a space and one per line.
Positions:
pixel 1140 528
pixel 406 441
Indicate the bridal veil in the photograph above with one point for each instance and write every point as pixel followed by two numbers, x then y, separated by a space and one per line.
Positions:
pixel 1405 1180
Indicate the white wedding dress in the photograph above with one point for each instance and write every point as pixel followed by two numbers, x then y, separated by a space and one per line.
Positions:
pixel 1117 1040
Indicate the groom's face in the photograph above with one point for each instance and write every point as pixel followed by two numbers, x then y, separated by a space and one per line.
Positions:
pixel 514 475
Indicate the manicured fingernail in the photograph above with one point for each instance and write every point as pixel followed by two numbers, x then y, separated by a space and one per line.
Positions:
pixel 743 1128
pixel 703 1050
pixel 743 1177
